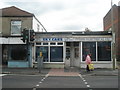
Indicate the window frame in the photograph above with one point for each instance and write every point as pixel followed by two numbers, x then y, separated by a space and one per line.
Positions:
pixel 110 52
pixel 11 25
pixel 98 61
pixel 49 46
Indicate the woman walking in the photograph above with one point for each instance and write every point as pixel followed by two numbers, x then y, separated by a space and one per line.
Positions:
pixel 88 61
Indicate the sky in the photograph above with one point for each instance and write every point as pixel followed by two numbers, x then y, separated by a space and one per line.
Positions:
pixel 65 15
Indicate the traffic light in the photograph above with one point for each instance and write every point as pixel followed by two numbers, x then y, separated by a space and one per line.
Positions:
pixel 25 35
pixel 32 35
pixel 28 35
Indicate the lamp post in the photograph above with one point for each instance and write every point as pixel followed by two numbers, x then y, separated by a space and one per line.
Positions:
pixel 113 37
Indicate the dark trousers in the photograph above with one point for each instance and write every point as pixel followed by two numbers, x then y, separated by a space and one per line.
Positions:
pixel 87 68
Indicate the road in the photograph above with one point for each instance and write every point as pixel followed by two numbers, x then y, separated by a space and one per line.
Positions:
pixel 37 81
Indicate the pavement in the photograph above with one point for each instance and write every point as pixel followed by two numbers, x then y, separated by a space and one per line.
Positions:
pixel 26 71
pixel 101 72
pixel 73 71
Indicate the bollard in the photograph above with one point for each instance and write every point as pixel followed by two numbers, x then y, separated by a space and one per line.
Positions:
pixel 40 63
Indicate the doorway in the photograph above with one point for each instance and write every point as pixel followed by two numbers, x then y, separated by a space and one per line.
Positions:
pixel 73 54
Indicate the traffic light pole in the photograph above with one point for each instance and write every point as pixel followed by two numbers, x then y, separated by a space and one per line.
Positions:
pixel 27 37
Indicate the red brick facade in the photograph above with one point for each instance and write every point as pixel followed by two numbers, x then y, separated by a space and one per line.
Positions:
pixel 116 22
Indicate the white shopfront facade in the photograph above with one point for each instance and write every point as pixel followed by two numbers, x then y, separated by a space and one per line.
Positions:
pixel 64 50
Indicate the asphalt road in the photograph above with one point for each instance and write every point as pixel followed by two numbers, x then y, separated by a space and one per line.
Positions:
pixel 36 81
pixel 102 81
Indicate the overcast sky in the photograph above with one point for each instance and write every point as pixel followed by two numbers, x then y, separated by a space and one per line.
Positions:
pixel 65 15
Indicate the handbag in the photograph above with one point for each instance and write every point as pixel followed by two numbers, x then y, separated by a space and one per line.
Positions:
pixel 91 66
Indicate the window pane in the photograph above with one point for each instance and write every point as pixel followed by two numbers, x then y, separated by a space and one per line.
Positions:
pixel 52 43
pixel 38 43
pixel 67 53
pixel 18 52
pixel 45 43
pixel 89 48
pixel 16 22
pixel 15 27
pixel 56 54
pixel 76 52
pixel 104 51
pixel 44 51
pixel 60 43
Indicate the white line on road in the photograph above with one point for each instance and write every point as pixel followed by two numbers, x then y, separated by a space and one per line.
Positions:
pixel 86 83
pixel 37 85
pixel 2 75
pixel 84 80
pixel 40 82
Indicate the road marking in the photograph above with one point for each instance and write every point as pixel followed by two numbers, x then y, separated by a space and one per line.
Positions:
pixel 84 80
pixel 37 85
pixel 2 75
pixel 43 78
pixel 40 82
pixel 46 75
pixel 88 85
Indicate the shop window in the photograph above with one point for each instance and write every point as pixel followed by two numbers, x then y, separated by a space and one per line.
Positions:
pixel 56 54
pixel 89 48
pixel 38 43
pixel 15 27
pixel 44 50
pixel 18 52
pixel 60 43
pixel 45 43
pixel 52 43
pixel 76 49
pixel 104 51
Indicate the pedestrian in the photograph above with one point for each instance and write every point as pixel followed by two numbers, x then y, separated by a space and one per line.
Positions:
pixel 88 61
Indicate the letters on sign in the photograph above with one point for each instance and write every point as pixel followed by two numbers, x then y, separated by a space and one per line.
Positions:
pixel 52 39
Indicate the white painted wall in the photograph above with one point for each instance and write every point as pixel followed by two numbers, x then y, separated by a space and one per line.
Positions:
pixel 36 24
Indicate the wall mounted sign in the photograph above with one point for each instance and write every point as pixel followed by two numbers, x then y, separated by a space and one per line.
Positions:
pixel 76 39
pixel 52 39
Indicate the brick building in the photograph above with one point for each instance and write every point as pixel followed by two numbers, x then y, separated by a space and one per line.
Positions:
pixel 116 24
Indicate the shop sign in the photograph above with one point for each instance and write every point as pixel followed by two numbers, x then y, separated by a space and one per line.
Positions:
pixel 52 39
pixel 89 39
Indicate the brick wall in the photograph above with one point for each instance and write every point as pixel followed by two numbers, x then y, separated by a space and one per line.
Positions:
pixel 116 22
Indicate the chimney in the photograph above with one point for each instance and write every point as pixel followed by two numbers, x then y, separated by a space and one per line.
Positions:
pixel 119 3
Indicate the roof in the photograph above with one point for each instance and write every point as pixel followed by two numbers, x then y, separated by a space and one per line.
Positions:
pixel 15 12
pixel 79 33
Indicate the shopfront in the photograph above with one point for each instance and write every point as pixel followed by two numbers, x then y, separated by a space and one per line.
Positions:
pixel 15 53
pixel 69 49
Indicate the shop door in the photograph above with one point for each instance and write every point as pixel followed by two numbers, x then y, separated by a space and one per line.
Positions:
pixel 72 54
